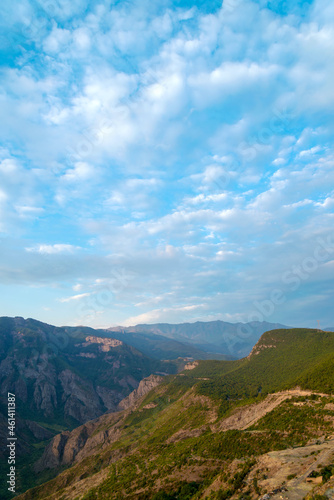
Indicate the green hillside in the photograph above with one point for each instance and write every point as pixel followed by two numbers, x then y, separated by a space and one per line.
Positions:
pixel 174 444
pixel 280 360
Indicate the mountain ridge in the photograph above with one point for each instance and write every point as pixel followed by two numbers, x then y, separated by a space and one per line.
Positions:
pixel 234 339
pixel 194 436
pixel 63 377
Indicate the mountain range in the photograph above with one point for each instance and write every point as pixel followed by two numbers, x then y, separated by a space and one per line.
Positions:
pixel 233 340
pixel 260 427
pixel 64 377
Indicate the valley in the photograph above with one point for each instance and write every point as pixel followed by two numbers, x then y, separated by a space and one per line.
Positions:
pixel 229 340
pixel 260 427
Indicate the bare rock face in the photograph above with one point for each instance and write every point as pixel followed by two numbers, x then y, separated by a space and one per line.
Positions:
pixel 104 344
pixel 45 397
pixel 21 389
pixel 110 398
pixel 65 376
pixel 79 396
pixel 69 447
pixel 144 388
pixel 191 366
pixel 55 452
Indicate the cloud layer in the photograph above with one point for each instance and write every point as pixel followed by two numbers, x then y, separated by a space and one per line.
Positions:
pixel 167 162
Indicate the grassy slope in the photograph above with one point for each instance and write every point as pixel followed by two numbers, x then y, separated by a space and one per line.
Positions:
pixel 281 359
pixel 285 358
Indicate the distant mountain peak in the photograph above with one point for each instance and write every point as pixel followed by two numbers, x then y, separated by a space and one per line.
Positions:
pixel 231 339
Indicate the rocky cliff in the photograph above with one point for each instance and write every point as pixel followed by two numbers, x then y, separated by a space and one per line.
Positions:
pixel 144 387
pixel 63 378
pixel 67 378
pixel 68 447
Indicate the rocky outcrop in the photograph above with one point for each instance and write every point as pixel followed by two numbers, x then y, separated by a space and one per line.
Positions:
pixel 144 388
pixel 69 447
pixel 79 397
pixel 79 378
pixel 110 398
pixel 45 397
pixel 191 366
pixel 53 456
pixel 260 347
pixel 104 344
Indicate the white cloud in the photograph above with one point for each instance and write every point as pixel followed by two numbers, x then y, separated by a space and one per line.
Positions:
pixel 53 249
pixel 81 38
pixel 77 287
pixel 163 315
pixel 229 79
pixel 3 196
pixel 26 211
pixel 152 136
pixel 135 194
pixel 57 41
pixel 201 198
pixel 74 297
pixel 8 167
pixel 82 171
pixel 310 152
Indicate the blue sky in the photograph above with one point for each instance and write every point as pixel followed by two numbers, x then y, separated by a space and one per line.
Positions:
pixel 167 161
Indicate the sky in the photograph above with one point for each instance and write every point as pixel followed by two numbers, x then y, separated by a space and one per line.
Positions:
pixel 167 161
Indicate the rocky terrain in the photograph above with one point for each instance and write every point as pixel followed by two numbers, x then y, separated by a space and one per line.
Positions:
pixel 283 474
pixel 256 428
pixel 69 447
pixel 75 383
pixel 145 386
pixel 63 378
